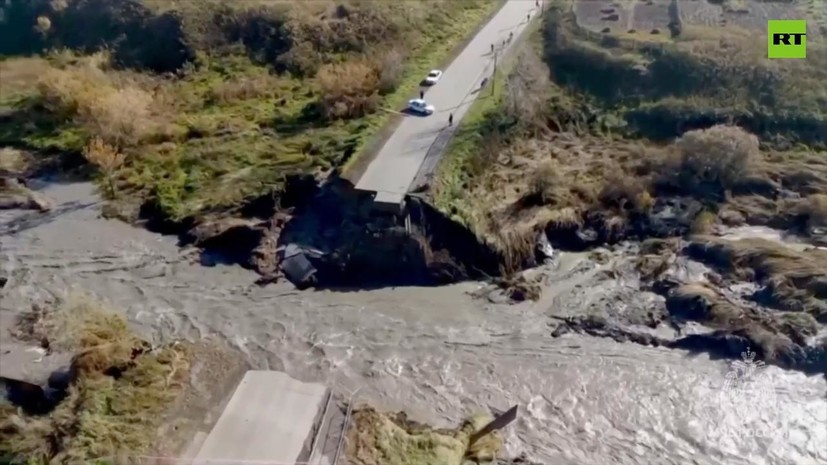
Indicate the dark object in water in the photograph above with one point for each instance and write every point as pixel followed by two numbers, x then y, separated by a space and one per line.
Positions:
pixel 60 379
pixel 297 268
pixel 32 398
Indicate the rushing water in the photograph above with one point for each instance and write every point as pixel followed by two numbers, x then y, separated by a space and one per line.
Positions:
pixel 438 353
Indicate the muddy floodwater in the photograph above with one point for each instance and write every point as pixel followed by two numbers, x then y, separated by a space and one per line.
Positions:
pixel 438 353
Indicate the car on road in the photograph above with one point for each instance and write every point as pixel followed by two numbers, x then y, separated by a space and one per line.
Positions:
pixel 433 77
pixel 418 105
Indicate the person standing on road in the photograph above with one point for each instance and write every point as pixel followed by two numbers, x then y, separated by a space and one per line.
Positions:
pixel 528 17
pixel 421 94
pixel 450 119
pixel 492 48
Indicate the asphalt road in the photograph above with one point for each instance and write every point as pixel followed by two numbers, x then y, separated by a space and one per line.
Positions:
pixel 395 167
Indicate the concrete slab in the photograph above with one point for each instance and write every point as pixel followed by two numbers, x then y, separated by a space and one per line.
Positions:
pixel 270 418
pixel 28 362
pixel 194 447
pixel 395 167
pixel 390 201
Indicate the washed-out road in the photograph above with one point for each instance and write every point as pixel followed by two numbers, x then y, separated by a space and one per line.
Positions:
pixel 395 167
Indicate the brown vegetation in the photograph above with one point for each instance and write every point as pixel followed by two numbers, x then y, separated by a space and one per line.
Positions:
pixel 118 111
pixel 715 158
pixel 793 280
pixel 106 158
pixel 391 66
pixel 348 90
pixel 391 439
pixel 526 90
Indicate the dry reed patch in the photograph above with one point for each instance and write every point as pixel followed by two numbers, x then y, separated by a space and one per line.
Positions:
pixel 14 160
pixel 18 76
pixel 553 179
pixel 794 280
pixel 117 110
pixel 348 90
pixel 377 438
pixel 814 209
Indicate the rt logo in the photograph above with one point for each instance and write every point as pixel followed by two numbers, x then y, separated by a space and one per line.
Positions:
pixel 787 38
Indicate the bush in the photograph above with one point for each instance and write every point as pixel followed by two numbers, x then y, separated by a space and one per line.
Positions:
pixel 121 116
pixel 527 89
pixel 626 194
pixel 391 65
pixel 715 158
pixel 703 222
pixel 107 159
pixel 137 37
pixel 542 183
pixel 349 89
pixel 63 92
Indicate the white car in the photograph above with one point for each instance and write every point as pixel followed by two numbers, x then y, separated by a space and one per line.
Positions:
pixel 433 77
pixel 418 105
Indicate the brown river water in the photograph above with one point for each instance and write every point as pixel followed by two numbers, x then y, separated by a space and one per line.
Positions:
pixel 438 353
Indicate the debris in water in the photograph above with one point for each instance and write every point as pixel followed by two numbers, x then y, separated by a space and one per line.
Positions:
pixel 381 439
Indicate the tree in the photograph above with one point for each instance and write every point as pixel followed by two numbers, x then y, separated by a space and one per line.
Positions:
pixel 526 89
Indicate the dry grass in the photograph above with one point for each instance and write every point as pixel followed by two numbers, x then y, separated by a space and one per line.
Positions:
pixel 701 303
pixel 107 159
pixel 381 439
pixel 348 90
pixel 793 280
pixel 246 87
pixel 814 208
pixel 14 160
pixel 18 74
pixel 391 66
pixel 120 391
pixel 120 113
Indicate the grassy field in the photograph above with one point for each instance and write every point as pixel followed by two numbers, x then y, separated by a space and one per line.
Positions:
pixel 262 91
